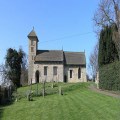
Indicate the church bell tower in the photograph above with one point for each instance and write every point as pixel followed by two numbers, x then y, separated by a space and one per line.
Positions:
pixel 33 46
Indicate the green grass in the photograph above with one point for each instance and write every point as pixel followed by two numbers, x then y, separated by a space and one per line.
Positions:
pixel 77 103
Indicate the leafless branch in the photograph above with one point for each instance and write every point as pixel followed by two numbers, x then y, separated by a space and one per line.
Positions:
pixel 108 12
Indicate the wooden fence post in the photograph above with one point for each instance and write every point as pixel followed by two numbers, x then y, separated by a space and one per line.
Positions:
pixel 43 88
pixel 31 85
pixel 59 90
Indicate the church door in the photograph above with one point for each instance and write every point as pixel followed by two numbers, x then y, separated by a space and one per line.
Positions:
pixel 37 76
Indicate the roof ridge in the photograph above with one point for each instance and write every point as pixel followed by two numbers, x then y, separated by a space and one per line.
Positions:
pixel 73 52
pixel 61 50
pixel 50 50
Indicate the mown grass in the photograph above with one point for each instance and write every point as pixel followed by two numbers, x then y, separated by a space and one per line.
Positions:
pixel 77 103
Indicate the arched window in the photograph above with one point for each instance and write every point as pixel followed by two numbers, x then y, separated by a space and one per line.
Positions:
pixel 79 73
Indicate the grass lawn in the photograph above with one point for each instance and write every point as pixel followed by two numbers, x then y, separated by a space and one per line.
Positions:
pixel 77 103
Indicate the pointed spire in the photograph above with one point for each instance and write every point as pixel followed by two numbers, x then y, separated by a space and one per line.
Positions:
pixel 32 34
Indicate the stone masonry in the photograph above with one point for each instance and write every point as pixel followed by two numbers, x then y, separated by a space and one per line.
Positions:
pixel 71 66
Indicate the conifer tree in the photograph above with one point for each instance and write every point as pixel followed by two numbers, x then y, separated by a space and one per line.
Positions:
pixel 13 65
pixel 107 50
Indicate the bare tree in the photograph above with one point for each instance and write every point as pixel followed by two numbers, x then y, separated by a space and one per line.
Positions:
pixel 3 72
pixel 93 62
pixel 108 13
pixel 24 69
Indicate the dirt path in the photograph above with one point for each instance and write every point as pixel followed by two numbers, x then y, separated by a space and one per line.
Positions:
pixel 109 93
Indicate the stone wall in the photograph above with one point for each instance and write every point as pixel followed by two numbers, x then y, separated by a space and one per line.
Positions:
pixel 75 74
pixel 61 71
pixel 50 76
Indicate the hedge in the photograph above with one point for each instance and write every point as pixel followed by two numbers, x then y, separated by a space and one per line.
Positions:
pixel 109 76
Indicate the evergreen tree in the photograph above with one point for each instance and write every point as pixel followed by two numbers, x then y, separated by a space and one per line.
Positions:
pixel 107 50
pixel 101 56
pixel 13 64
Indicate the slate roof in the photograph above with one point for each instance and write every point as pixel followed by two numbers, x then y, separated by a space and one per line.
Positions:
pixel 69 58
pixel 49 55
pixel 32 34
pixel 74 58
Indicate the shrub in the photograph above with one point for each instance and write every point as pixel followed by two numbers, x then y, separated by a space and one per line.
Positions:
pixel 109 76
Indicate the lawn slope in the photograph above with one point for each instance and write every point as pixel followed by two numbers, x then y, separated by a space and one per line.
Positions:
pixel 77 103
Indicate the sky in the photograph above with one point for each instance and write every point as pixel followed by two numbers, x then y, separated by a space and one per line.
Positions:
pixel 59 24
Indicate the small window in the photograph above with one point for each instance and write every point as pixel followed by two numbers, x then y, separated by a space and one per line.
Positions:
pixel 32 49
pixel 54 70
pixel 70 73
pixel 45 70
pixel 32 57
pixel 79 73
pixel 32 42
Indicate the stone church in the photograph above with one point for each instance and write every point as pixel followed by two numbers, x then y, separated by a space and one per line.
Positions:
pixel 54 65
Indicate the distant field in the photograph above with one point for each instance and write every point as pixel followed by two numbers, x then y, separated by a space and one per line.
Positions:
pixel 77 103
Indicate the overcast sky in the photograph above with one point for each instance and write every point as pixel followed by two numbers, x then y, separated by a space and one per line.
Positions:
pixel 58 24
